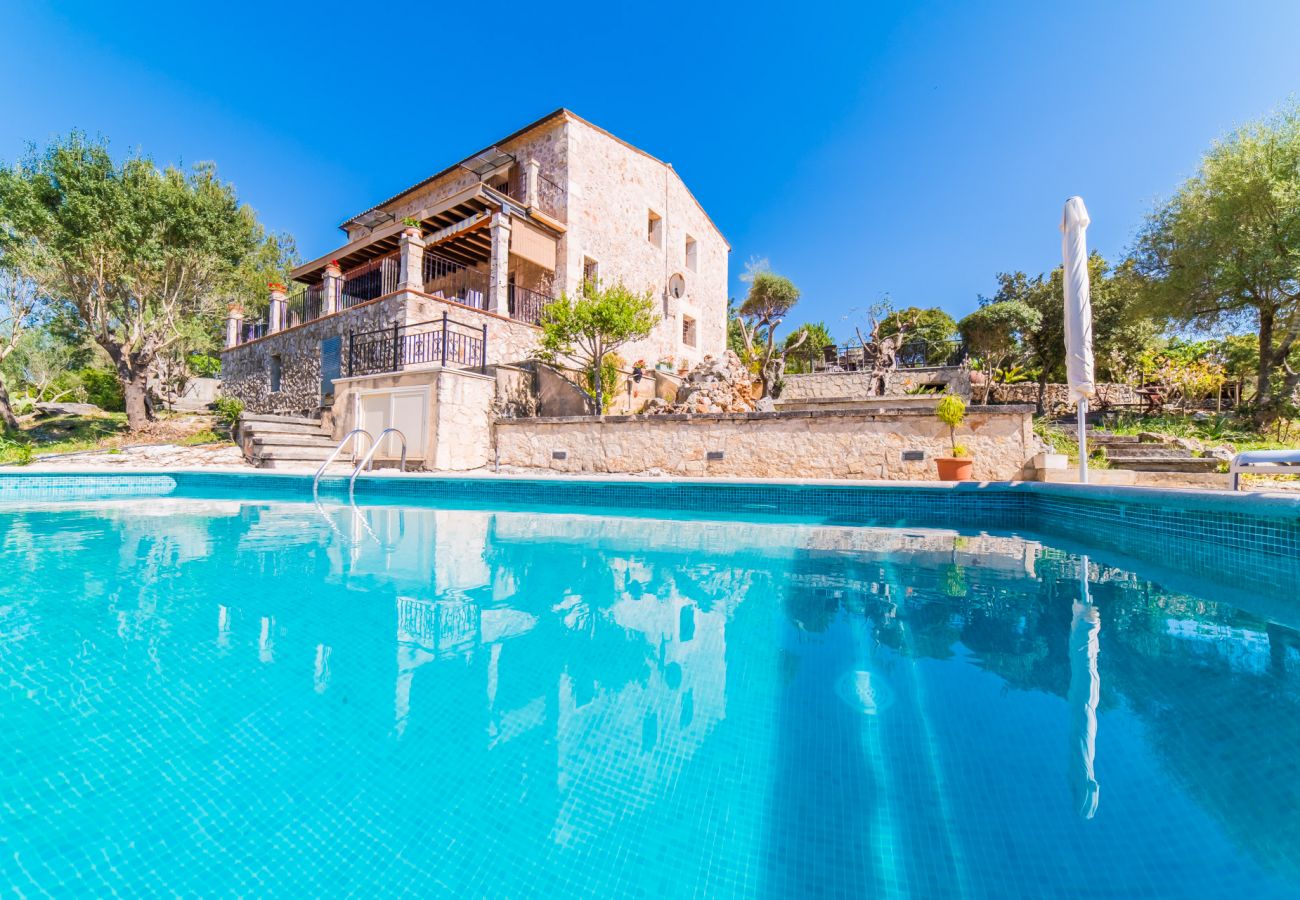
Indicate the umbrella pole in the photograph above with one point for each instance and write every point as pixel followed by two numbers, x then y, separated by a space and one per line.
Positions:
pixel 1083 440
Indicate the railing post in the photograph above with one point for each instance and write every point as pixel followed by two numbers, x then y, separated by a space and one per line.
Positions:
pixel 397 347
pixel 331 285
pixel 444 339
pixel 411 272
pixel 234 324
pixel 275 316
pixel 351 335
pixel 499 268
pixel 482 357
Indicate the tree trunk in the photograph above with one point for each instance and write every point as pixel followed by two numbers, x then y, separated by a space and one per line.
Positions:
pixel 8 421
pixel 1264 406
pixel 1041 404
pixel 135 390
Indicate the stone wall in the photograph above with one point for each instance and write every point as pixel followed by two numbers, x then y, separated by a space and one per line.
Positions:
pixel 246 369
pixel 860 385
pixel 1057 396
pixel 612 189
pixel 824 444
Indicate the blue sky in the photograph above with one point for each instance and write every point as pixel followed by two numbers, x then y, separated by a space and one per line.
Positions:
pixel 866 149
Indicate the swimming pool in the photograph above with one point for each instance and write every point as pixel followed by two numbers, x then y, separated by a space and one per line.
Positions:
pixel 507 688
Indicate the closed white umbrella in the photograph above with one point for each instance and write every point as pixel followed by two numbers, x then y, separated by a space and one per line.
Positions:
pixel 1078 316
pixel 1083 696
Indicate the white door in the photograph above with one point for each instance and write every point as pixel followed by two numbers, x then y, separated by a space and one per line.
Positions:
pixel 405 410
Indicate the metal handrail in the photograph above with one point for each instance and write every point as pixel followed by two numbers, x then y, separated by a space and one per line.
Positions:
pixel 370 454
pixel 335 454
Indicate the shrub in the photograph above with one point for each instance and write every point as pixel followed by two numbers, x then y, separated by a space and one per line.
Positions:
pixel 609 370
pixel 203 366
pixel 228 410
pixel 951 411
pixel 102 389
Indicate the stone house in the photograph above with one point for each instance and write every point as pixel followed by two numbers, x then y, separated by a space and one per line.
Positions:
pixel 437 288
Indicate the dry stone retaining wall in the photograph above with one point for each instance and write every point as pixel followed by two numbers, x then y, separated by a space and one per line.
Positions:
pixel 823 444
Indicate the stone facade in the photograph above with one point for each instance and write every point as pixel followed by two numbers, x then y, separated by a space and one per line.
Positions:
pixel 825 444
pixel 861 385
pixel 246 369
pixel 613 188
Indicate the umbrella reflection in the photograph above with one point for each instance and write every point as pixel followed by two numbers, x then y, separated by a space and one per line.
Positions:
pixel 1085 689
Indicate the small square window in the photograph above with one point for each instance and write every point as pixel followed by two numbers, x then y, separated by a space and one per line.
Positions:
pixel 688 331
pixel 275 374
pixel 692 253
pixel 590 270
pixel 655 229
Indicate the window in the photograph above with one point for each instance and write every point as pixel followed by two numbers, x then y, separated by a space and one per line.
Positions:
pixel 688 331
pixel 590 270
pixel 275 374
pixel 692 254
pixel 655 229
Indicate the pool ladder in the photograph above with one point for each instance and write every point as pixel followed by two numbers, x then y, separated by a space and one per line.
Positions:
pixel 334 454
pixel 370 454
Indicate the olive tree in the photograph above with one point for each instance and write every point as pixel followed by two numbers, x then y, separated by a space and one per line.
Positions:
pixel 1225 250
pixel 594 324
pixel 21 305
pixel 146 257
pixel 769 301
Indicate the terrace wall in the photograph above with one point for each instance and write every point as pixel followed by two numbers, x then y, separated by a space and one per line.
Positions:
pixel 861 385
pixel 823 444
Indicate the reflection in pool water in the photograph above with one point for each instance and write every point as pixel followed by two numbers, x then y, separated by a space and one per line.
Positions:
pixel 218 696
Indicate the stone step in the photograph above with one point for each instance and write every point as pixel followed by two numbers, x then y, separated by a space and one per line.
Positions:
pixel 292 440
pixel 1159 464
pixel 253 428
pixel 263 454
pixel 284 420
pixel 1146 451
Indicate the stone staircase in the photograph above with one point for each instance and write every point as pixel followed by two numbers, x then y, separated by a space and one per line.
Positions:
pixel 1151 460
pixel 284 442
pixel 1129 451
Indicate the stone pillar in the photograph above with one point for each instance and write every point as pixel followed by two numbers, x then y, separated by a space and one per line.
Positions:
pixel 331 287
pixel 411 276
pixel 275 316
pixel 532 171
pixel 234 324
pixel 499 268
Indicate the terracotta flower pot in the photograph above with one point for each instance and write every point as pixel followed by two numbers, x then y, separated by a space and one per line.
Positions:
pixel 954 468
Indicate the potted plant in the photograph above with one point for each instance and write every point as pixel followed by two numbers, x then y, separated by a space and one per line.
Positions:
pixel 638 370
pixel 951 411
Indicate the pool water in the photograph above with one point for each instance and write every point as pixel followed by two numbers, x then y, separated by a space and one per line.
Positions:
pixel 267 698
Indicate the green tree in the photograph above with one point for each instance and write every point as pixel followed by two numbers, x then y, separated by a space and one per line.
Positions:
pixel 21 306
pixel 594 324
pixel 1225 250
pixel 994 335
pixel 929 325
pixel 769 301
pixel 1120 330
pixel 812 337
pixel 147 258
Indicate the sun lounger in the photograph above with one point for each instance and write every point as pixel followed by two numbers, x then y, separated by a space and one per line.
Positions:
pixel 1281 461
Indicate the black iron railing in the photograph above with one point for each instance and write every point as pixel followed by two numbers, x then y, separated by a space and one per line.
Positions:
pixel 251 331
pixel 526 305
pixel 444 342
pixel 451 280
pixel 370 280
pixel 304 305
